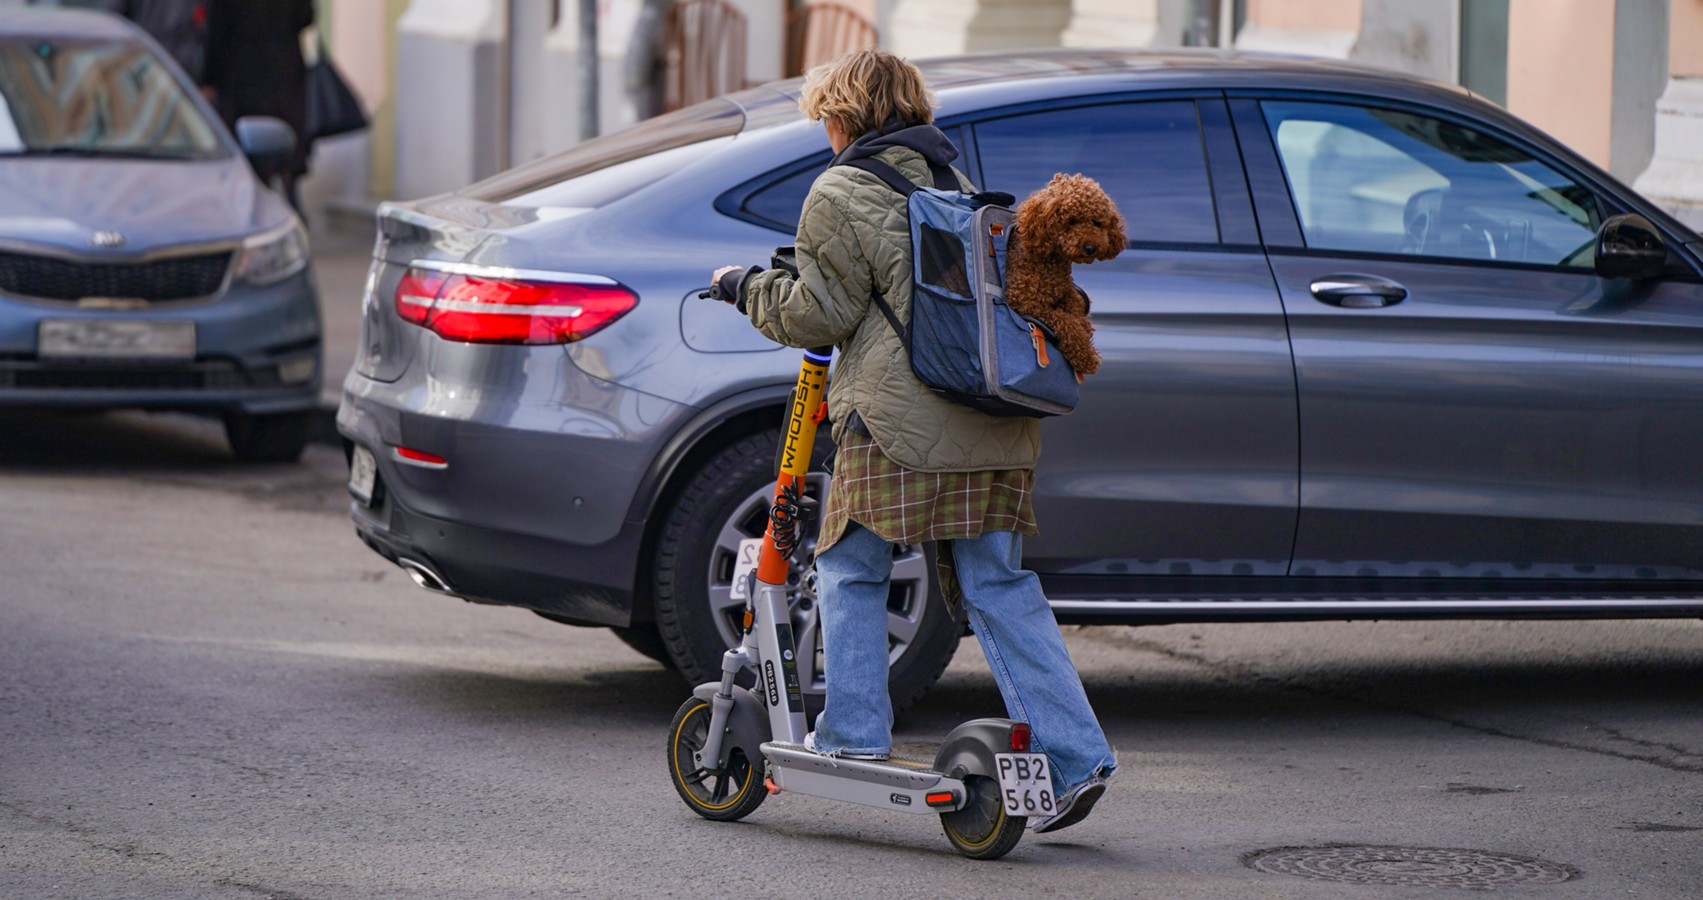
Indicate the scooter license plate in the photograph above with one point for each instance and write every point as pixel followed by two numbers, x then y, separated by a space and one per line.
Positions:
pixel 1025 783
pixel 743 565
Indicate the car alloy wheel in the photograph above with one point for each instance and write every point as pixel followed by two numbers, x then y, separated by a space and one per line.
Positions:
pixel 906 601
pixel 725 500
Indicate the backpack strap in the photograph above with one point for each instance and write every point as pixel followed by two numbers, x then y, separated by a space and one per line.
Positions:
pixel 944 179
pixel 892 319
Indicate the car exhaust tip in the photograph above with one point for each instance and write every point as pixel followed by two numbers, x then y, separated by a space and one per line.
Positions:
pixel 424 576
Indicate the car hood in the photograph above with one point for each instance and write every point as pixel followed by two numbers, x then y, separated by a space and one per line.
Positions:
pixel 63 203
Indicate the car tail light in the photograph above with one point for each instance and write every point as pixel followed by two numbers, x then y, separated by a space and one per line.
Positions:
pixel 489 309
pixel 415 293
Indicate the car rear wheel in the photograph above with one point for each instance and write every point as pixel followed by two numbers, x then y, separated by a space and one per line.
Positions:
pixel 279 437
pixel 725 501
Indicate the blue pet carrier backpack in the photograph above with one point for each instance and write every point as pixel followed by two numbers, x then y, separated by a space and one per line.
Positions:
pixel 964 342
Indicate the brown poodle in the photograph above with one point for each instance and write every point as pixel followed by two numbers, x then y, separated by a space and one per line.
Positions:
pixel 1071 220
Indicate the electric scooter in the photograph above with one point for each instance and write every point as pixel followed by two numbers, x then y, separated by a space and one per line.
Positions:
pixel 730 747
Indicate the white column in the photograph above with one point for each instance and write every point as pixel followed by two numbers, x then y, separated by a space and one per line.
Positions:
pixel 1674 179
pixel 1675 176
pixel 1420 37
pixel 1640 75
pixel 765 38
pixel 923 28
pixel 1325 28
pixel 450 94
pixel 533 96
pixel 1113 23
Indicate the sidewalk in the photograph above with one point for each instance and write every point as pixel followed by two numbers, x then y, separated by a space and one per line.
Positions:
pixel 341 256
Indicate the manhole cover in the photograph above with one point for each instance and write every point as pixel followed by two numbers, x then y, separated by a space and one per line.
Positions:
pixel 1419 866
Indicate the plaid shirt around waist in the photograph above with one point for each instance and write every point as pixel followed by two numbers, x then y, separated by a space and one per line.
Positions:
pixel 904 506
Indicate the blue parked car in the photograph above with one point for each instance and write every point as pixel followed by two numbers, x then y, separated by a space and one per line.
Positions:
pixel 1377 349
pixel 142 263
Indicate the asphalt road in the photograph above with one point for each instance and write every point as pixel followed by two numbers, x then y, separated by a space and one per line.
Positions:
pixel 209 687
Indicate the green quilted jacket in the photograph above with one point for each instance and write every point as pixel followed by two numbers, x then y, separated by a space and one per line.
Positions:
pixel 853 236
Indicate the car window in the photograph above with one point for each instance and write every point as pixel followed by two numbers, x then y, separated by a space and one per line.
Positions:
pixel 1387 181
pixel 781 201
pixel 1148 156
pixel 90 97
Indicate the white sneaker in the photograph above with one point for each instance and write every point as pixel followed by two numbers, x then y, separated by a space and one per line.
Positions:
pixel 810 744
pixel 1073 807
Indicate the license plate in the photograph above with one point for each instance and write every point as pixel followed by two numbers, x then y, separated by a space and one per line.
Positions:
pixel 743 565
pixel 115 339
pixel 1025 783
pixel 363 470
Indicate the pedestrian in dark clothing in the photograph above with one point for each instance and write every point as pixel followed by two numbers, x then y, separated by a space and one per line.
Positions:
pixel 254 67
pixel 179 25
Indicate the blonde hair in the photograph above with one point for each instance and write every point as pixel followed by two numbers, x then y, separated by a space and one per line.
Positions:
pixel 865 90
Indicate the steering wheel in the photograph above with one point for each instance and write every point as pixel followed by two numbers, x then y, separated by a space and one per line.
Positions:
pixel 1420 220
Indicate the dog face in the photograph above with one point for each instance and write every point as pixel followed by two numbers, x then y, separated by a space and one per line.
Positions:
pixel 1073 216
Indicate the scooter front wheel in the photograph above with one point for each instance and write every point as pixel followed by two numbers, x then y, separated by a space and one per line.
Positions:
pixel 982 829
pixel 724 795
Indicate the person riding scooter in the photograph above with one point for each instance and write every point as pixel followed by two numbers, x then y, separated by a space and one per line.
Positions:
pixel 911 465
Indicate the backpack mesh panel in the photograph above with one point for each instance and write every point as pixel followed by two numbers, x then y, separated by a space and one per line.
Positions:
pixel 942 262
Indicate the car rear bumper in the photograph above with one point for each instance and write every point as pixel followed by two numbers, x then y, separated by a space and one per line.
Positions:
pixel 579 583
pixel 531 504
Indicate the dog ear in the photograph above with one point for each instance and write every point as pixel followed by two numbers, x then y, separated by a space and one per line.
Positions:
pixel 1116 224
pixel 1034 214
pixel 1119 239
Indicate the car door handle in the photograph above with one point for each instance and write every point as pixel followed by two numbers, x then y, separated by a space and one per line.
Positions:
pixel 1357 291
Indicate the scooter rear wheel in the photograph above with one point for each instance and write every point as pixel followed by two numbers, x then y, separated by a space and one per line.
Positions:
pixel 982 829
pixel 731 793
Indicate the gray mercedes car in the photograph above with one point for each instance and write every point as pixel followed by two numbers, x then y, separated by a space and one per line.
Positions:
pixel 1377 349
pixel 142 263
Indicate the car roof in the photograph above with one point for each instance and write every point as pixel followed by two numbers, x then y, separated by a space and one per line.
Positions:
pixel 1223 67
pixel 47 21
pixel 966 82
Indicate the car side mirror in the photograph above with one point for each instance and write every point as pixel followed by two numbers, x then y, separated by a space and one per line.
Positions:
pixel 264 139
pixel 1629 246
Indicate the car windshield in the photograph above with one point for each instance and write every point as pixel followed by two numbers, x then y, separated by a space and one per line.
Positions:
pixel 90 97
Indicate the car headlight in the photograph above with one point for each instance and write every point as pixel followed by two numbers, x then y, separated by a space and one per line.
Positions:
pixel 273 256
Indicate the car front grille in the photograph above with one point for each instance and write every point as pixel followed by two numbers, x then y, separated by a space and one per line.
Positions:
pixel 211 375
pixel 67 280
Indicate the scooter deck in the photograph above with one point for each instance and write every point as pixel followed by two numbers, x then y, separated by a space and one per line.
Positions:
pixel 905 785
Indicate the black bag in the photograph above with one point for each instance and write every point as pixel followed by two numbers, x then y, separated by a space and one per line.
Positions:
pixel 332 108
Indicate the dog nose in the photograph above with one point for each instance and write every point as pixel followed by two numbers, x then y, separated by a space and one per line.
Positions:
pixel 1089 249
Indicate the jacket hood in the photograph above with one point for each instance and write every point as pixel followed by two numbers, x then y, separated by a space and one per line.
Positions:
pixel 153 204
pixel 927 140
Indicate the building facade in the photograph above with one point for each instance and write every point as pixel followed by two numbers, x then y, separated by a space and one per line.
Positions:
pixel 462 89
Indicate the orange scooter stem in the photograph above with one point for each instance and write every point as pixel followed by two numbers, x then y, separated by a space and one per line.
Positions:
pixel 809 409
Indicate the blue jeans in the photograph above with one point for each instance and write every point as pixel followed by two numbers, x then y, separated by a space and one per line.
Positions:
pixel 1008 613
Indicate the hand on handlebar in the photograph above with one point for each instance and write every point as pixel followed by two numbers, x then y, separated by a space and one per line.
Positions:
pixel 715 292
